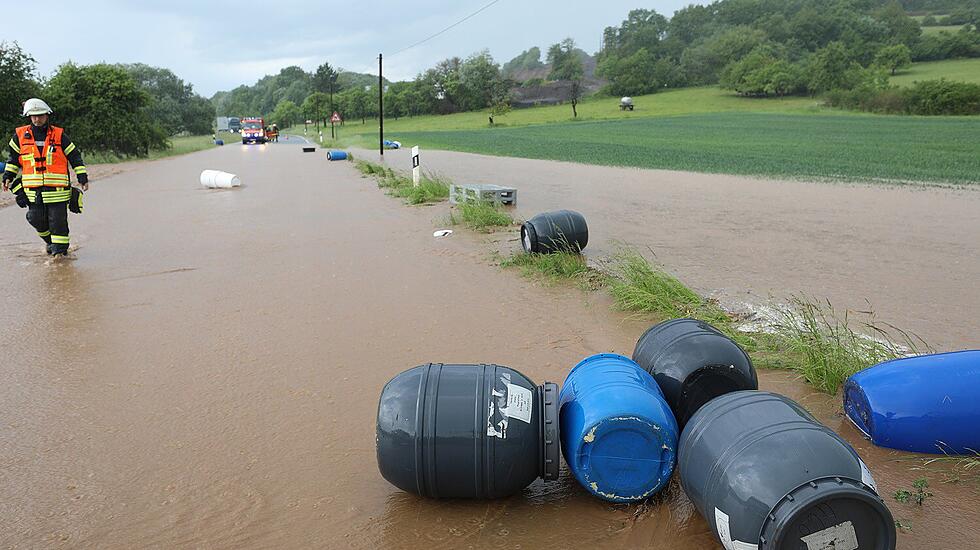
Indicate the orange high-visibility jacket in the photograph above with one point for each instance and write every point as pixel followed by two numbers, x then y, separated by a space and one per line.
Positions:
pixel 47 167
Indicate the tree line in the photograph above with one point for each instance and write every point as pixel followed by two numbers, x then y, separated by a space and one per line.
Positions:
pixel 125 110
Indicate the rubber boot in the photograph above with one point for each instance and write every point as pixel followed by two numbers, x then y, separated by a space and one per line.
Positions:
pixel 59 249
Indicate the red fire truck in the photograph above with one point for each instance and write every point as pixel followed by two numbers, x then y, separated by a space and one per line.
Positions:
pixel 253 130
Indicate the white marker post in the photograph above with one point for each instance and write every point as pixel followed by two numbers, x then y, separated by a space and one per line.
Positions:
pixel 416 168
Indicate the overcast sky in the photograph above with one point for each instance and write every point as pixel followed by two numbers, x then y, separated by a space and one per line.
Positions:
pixel 218 45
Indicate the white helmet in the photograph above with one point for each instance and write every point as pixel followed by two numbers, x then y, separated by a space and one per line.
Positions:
pixel 35 106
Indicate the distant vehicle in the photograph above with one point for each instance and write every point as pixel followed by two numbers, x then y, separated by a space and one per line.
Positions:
pixel 253 130
pixel 234 124
pixel 222 124
pixel 626 104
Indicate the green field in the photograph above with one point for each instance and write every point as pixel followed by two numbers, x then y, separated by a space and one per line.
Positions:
pixel 960 70
pixel 180 145
pixel 937 30
pixel 836 147
pixel 673 102
pixel 711 130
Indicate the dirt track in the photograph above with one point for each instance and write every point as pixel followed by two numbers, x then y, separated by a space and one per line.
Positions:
pixel 205 373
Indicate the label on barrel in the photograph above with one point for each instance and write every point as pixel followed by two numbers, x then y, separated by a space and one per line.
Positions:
pixel 838 537
pixel 507 401
pixel 725 534
pixel 866 477
pixel 519 403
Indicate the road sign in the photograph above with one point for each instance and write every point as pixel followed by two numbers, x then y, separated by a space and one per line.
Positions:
pixel 335 117
pixel 416 168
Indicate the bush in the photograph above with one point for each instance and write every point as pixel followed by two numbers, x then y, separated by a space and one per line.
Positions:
pixel 104 109
pixel 760 74
pixel 943 97
pixel 931 97
pixel 947 45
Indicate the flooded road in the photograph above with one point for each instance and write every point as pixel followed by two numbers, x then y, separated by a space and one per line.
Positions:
pixel 205 372
pixel 912 252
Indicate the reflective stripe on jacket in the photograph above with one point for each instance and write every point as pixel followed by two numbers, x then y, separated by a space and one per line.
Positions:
pixel 47 166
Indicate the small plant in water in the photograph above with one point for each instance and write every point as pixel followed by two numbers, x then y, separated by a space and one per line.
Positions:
pixel 919 495
pixel 902 525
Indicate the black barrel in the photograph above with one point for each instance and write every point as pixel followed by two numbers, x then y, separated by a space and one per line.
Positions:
pixel 693 363
pixel 561 231
pixel 467 431
pixel 765 474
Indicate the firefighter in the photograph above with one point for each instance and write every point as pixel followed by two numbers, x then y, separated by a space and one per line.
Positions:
pixel 41 154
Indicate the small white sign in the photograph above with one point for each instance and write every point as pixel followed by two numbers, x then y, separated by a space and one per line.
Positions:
pixel 519 403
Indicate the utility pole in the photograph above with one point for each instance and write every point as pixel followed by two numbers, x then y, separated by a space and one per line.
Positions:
pixel 332 109
pixel 381 110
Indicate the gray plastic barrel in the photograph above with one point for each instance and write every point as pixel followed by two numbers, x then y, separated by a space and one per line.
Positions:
pixel 467 431
pixel 560 231
pixel 765 474
pixel 693 363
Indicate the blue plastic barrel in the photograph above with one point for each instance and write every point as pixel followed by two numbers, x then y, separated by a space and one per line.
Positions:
pixel 219 142
pixel 924 404
pixel 337 155
pixel 618 435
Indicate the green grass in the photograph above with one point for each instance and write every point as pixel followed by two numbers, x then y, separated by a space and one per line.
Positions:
pixel 939 29
pixel 557 267
pixel 484 215
pixel 670 103
pixel 809 337
pixel 960 70
pixel 431 188
pixel 956 468
pixel 639 286
pixel 180 145
pixel 825 347
pixel 846 147
pixel 711 130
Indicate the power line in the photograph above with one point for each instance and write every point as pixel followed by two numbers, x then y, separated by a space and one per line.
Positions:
pixel 446 29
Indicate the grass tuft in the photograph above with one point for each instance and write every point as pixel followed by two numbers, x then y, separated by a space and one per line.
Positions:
pixel 560 266
pixel 825 348
pixel 643 288
pixel 431 188
pixel 809 337
pixel 956 468
pixel 483 215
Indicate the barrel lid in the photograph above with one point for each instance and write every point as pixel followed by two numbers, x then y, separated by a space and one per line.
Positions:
pixel 626 459
pixel 831 512
pixel 551 442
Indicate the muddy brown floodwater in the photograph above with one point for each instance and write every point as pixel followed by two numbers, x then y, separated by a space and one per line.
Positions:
pixel 205 372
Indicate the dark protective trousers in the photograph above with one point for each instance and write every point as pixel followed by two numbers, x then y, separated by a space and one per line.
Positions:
pixel 51 222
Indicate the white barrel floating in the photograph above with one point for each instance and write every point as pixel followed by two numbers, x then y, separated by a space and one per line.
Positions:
pixel 212 179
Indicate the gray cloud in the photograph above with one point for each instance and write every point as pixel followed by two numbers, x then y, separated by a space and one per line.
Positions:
pixel 219 45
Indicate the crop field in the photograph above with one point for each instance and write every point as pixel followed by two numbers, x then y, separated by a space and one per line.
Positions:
pixel 960 70
pixel 835 147
pixel 674 102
